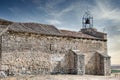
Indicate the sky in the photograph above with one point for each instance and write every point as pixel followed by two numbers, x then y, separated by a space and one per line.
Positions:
pixel 67 14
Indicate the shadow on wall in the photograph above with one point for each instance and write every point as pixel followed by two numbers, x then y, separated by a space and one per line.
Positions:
pixel 67 66
pixel 95 65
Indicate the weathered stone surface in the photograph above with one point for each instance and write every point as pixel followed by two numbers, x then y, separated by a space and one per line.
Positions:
pixel 27 53
pixel 2 74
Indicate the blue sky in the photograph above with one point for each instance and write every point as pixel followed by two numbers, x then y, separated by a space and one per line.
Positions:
pixel 67 14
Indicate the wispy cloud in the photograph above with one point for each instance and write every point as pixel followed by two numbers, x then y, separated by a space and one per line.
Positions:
pixel 37 2
pixel 114 48
pixel 22 15
pixel 69 17
pixel 55 13
pixel 54 22
pixel 58 14
pixel 105 11
pixel 53 3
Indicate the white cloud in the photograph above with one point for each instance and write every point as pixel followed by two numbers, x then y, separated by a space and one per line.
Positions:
pixel 50 9
pixel 59 14
pixel 52 3
pixel 56 14
pixel 102 11
pixel 114 49
pixel 105 11
pixel 113 44
pixel 54 22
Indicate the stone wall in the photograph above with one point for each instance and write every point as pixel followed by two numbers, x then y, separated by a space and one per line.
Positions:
pixel 33 53
pixel 107 66
pixel 80 64
pixel 99 63
pixel 71 62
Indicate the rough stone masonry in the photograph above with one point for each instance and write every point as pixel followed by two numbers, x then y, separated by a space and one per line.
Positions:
pixel 32 48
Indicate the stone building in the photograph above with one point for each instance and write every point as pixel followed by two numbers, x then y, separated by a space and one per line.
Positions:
pixel 32 48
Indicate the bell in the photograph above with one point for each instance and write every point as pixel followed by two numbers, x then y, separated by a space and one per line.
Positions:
pixel 87 21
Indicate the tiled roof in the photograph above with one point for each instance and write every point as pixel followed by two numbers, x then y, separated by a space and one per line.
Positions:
pixel 46 29
pixel 76 34
pixel 43 29
pixel 103 54
pixel 77 52
pixel 5 22
pixel 34 28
